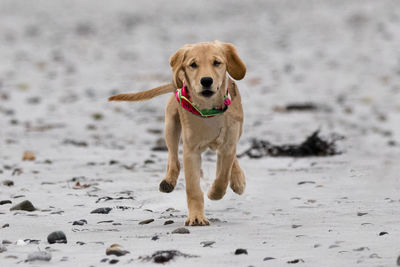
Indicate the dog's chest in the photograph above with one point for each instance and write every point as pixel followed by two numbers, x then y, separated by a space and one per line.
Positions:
pixel 205 133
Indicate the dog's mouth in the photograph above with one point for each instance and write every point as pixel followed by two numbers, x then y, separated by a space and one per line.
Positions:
pixel 207 93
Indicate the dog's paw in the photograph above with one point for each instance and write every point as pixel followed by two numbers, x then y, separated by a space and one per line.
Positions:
pixel 166 187
pixel 197 220
pixel 216 193
pixel 238 185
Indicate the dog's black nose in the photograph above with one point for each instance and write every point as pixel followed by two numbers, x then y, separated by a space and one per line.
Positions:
pixel 206 81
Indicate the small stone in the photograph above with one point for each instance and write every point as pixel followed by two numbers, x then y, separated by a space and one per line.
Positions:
pixel 24 205
pixel 294 226
pixel 181 230
pixel 39 256
pixel 104 260
pixel 116 250
pixel 146 221
pixel 79 222
pixel 362 213
pixel 102 210
pixel 5 225
pixel 8 183
pixel 2 248
pixel 3 202
pixel 28 155
pixel 154 238
pixel 113 261
pixel 168 222
pixel 80 243
pixel 398 261
pixel 383 233
pixel 295 261
pixel 57 237
pixel 268 258
pixel 6 242
pixel 240 251
pixel 207 243
pixel 97 116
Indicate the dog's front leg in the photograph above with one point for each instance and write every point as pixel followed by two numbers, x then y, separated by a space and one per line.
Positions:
pixel 194 195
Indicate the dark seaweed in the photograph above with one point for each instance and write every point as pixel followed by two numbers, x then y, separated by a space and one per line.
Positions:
pixel 312 146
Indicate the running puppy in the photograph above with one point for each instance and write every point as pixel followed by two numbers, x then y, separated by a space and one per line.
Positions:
pixel 206 108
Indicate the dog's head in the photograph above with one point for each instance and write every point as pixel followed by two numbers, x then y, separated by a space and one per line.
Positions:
pixel 202 67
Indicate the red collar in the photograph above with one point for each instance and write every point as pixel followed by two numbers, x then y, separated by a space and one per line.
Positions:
pixel 183 98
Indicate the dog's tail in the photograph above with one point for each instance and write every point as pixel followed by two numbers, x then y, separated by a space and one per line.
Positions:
pixel 145 95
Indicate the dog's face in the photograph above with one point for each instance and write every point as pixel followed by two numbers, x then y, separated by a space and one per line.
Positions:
pixel 202 67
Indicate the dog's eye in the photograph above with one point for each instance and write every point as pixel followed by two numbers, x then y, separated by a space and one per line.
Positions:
pixel 216 63
pixel 193 65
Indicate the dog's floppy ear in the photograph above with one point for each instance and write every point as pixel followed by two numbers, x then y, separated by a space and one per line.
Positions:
pixel 235 66
pixel 176 61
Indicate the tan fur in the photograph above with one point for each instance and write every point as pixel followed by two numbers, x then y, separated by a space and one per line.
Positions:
pixel 145 95
pixel 220 133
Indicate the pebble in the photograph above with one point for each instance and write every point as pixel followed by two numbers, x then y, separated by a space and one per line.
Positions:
pixel 147 221
pixel 181 230
pixel 39 256
pixel 168 222
pixel 57 237
pixel 295 261
pixel 2 248
pixel 24 205
pixel 113 261
pixel 79 222
pixel 6 242
pixel 29 156
pixel 383 233
pixel 268 258
pixel 3 202
pixel 8 183
pixel 398 261
pixel 116 250
pixel 240 251
pixel 207 243
pixel 154 238
pixel 362 213
pixel 102 210
pixel 5 225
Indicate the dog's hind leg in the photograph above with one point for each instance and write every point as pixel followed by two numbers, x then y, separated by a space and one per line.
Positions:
pixel 172 135
pixel 224 166
pixel 237 179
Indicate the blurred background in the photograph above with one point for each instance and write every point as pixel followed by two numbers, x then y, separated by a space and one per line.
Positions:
pixel 60 60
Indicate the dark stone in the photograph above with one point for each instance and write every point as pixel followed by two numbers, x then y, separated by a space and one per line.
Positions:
pixel 181 230
pixel 113 261
pixel 268 258
pixel 147 221
pixel 24 205
pixel 154 238
pixel 57 237
pixel 241 251
pixel 164 256
pixel 3 202
pixel 295 261
pixel 8 183
pixel 168 222
pixel 207 243
pixel 102 210
pixel 5 225
pixel 383 233
pixel 79 222
pixel 362 213
pixel 166 187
